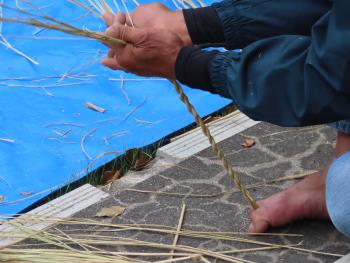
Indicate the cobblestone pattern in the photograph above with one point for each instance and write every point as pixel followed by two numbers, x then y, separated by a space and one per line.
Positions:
pixel 278 152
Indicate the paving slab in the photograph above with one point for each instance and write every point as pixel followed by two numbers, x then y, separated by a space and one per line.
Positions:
pixel 278 152
pixel 157 194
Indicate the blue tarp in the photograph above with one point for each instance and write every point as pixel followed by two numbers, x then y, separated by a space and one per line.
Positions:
pixel 43 107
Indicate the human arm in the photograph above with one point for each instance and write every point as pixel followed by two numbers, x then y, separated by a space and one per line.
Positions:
pixel 286 80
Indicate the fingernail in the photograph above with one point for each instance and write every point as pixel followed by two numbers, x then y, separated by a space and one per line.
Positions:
pixel 251 228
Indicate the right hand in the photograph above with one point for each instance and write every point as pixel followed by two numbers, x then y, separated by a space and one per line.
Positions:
pixel 148 52
pixel 158 16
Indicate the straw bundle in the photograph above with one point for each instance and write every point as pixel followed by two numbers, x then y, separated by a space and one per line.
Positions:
pixel 78 240
pixel 41 20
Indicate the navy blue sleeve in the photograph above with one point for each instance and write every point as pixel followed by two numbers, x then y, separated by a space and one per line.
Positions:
pixel 237 23
pixel 204 25
pixel 193 66
pixel 246 21
pixel 291 80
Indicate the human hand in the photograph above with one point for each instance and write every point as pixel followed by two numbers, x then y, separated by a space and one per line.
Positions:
pixel 148 52
pixel 157 15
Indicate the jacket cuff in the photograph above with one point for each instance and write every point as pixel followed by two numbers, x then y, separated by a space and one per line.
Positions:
pixel 218 68
pixel 192 68
pixel 204 25
pixel 229 13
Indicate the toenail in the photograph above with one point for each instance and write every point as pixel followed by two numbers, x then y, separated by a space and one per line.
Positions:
pixel 251 228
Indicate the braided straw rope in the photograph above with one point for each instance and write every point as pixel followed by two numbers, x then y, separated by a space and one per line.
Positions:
pixel 215 146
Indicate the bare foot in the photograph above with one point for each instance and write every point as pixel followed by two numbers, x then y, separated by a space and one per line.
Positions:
pixel 305 199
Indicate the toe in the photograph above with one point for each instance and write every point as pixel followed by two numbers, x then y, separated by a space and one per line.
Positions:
pixel 259 222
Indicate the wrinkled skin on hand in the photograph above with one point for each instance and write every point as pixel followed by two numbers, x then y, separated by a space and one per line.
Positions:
pixel 149 51
pixel 156 15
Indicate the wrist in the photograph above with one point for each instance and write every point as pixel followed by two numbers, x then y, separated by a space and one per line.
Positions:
pixel 171 72
pixel 180 27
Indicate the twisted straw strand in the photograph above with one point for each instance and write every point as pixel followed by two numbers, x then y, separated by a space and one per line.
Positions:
pixel 215 146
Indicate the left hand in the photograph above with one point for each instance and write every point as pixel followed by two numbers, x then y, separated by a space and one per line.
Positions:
pixel 149 52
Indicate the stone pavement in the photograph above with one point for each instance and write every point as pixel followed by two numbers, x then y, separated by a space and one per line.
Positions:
pixel 278 152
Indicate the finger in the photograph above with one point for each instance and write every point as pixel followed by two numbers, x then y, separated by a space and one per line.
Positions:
pixel 129 21
pixel 126 33
pixel 111 53
pixel 111 63
pixel 260 222
pixel 108 18
pixel 119 19
pixel 114 32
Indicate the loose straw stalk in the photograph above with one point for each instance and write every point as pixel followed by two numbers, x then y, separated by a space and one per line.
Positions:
pixel 73 31
pixel 57 25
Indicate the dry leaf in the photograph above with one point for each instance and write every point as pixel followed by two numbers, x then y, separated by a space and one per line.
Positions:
pixel 111 211
pixel 248 142
pixel 110 176
pixel 137 159
pixel 26 193
pixel 131 155
pixel 142 162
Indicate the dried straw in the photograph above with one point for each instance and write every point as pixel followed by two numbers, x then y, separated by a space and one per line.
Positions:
pixel 57 25
pixel 82 143
pixel 179 226
pixel 7 44
pixel 76 245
